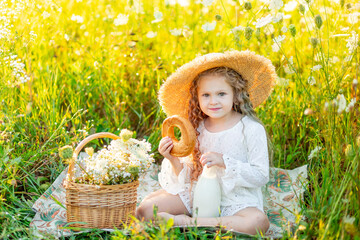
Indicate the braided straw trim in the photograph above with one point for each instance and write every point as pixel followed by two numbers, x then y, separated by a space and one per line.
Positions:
pixel 104 206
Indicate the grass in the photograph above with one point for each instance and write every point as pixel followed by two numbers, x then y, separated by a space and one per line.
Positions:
pixel 90 76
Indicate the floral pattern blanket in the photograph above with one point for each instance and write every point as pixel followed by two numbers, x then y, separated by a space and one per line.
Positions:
pixel 282 197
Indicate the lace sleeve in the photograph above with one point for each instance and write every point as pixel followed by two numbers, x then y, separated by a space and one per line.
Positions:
pixel 169 181
pixel 255 172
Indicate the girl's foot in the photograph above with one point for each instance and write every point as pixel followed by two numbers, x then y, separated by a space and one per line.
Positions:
pixel 179 220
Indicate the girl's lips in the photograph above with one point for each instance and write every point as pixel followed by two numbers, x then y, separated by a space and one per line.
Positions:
pixel 214 109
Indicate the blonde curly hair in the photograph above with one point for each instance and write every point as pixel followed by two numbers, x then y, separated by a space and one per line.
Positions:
pixel 241 104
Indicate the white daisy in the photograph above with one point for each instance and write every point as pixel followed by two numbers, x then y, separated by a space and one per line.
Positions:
pixel 209 26
pixel 263 21
pixel 121 19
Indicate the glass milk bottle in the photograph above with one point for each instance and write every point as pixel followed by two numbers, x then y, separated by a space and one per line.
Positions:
pixel 207 194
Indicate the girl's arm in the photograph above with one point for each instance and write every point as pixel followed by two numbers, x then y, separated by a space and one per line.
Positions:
pixel 174 171
pixel 177 165
pixel 171 181
pixel 255 172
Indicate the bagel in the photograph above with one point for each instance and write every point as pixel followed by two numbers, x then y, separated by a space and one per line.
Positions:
pixel 186 144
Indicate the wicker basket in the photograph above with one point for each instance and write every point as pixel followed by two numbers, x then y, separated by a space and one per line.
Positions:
pixel 100 206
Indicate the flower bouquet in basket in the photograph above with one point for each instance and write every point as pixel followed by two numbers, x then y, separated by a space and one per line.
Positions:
pixel 101 189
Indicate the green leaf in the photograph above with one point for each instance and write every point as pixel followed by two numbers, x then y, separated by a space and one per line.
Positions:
pixel 58 202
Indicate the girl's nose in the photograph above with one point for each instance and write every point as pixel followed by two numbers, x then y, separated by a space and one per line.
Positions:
pixel 213 100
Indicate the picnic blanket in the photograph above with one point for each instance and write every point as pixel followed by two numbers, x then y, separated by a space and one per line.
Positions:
pixel 282 198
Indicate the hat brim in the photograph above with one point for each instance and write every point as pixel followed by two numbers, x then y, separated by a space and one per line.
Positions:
pixel 174 94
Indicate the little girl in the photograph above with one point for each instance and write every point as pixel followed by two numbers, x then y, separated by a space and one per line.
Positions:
pixel 217 93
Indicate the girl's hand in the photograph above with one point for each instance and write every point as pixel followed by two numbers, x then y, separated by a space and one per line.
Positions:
pixel 212 159
pixel 165 147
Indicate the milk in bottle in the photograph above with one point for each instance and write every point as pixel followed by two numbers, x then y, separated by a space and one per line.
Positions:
pixel 207 194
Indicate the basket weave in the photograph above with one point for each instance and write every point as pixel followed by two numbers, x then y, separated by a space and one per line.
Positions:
pixel 98 206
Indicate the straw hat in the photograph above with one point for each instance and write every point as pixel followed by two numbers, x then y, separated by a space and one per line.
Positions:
pixel 174 94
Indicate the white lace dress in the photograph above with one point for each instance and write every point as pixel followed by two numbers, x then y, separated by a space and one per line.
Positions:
pixel 245 154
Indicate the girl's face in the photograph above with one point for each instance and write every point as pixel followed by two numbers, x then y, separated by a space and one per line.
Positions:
pixel 215 96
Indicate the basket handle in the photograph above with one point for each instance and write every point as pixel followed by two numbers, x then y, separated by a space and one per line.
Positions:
pixel 82 144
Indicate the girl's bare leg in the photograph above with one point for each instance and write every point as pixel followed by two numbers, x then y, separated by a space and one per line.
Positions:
pixel 249 220
pixel 164 201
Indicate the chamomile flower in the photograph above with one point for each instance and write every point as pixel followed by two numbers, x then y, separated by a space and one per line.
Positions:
pixel 151 34
pixel 352 42
pixel 275 47
pixel 288 69
pixel 311 80
pixel 276 4
pixel 351 105
pixel 209 26
pixel 263 21
pixel 316 67
pixel 341 103
pixel 176 32
pixel 314 152
pixel 279 38
pixel 290 6
pixel 121 19
pixel 77 18
pixel 278 17
pixel 45 15
pixel 158 17
pixel 207 3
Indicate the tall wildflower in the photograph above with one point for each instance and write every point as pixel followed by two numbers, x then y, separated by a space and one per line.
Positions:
pixel 207 3
pixel 248 32
pixel 207 27
pixel 218 17
pixel 314 152
pixel 352 42
pixel 137 6
pixel 247 6
pixel 292 30
pixel 77 18
pixel 353 18
pixel 151 34
pixel 17 69
pixel 9 13
pixel 341 103
pixel 121 19
pixel 311 80
pixel 176 31
pixel 66 153
pixel 45 15
pixel 316 67
pixel 277 43
pixel 290 6
pixel 158 16
pixel 302 9
pixel 318 21
pixel 278 17
pixel 351 105
pixel 349 225
pixel 33 36
pixel 276 4
pixel 263 21
pixel 268 29
pixel 314 42
pixel 275 47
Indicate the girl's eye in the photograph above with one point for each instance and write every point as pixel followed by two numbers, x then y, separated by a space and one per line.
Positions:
pixel 205 95
pixel 222 94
